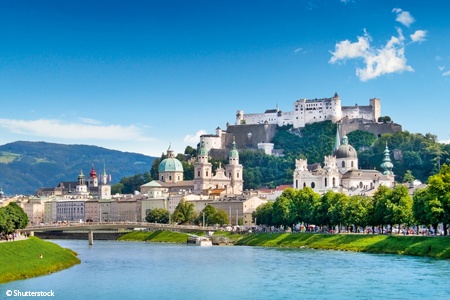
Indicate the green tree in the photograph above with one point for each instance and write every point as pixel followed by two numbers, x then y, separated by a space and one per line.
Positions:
pixel 221 217
pixel 361 139
pixel 13 218
pixel 338 203
pixel 184 212
pixel 378 216
pixel 438 196
pixel 427 210
pixel 357 210
pixel 263 214
pixel 208 215
pixel 408 176
pixel 158 215
pixel 400 203
pixel 282 213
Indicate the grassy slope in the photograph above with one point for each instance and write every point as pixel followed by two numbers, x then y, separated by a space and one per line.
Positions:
pixel 437 247
pixel 155 236
pixel 20 259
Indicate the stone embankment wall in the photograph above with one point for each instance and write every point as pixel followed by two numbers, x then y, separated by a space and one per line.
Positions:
pixel 58 235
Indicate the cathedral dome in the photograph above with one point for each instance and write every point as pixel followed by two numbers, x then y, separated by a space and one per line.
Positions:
pixel 345 150
pixel 170 164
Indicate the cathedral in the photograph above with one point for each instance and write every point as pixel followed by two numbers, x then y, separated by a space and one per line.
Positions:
pixel 225 181
pixel 341 173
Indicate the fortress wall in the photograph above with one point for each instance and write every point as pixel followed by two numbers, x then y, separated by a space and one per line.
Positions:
pixel 259 134
pixel 376 128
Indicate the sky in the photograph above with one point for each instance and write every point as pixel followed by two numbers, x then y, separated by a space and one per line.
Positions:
pixel 143 76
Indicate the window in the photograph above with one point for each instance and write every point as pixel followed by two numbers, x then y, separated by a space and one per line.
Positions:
pixel 343 164
pixel 325 182
pixel 313 185
pixel 198 173
pixel 352 163
pixel 334 182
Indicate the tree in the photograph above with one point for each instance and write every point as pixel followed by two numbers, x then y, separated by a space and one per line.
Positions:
pixel 400 203
pixel 361 139
pixel 12 217
pixel 282 214
pixel 378 216
pixel 408 176
pixel 338 203
pixel 158 215
pixel 221 217
pixel 184 212
pixel 427 210
pixel 356 212
pixel 208 216
pixel 263 214
pixel 437 197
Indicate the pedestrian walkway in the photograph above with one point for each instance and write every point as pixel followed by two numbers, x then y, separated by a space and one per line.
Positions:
pixel 19 237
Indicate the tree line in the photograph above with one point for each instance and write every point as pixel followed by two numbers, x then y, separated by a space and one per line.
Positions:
pixel 388 208
pixel 185 214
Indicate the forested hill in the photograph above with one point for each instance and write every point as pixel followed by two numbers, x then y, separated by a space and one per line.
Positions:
pixel 28 166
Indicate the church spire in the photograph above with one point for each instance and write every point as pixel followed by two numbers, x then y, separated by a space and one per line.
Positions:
pixel 337 142
pixel 387 164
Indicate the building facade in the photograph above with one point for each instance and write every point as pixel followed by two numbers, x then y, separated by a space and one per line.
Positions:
pixel 341 173
pixel 307 111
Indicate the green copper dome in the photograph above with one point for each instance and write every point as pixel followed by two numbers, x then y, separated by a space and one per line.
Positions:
pixel 170 164
pixel 234 153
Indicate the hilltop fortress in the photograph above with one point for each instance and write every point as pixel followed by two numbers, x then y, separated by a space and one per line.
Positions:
pixel 307 111
pixel 256 130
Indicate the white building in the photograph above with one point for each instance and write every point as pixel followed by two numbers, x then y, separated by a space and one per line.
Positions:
pixel 341 172
pixel 307 111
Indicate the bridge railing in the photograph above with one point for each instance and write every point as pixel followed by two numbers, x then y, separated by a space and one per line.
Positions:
pixel 119 223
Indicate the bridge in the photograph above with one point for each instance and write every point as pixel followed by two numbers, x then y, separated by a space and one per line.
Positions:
pixel 91 227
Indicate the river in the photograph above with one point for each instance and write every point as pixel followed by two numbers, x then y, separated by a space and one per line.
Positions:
pixel 139 270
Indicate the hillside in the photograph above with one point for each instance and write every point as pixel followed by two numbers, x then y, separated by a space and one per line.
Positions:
pixel 28 166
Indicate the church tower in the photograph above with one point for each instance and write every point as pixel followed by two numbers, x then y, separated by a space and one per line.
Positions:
pixel 93 180
pixel 234 171
pixel 81 187
pixel 202 169
pixel 104 189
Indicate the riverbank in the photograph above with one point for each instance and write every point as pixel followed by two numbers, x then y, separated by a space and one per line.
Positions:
pixel 22 259
pixel 161 236
pixel 436 247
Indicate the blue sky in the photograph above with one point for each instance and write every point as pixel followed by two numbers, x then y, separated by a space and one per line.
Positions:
pixel 139 76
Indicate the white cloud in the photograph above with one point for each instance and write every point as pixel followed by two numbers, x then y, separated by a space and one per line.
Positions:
pixel 403 17
pixel 193 140
pixel 441 68
pixel 387 59
pixel 446 73
pixel 48 128
pixel 419 36
pixel 298 50
pixel 346 49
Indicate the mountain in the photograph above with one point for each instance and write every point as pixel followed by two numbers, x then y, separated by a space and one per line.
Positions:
pixel 28 166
